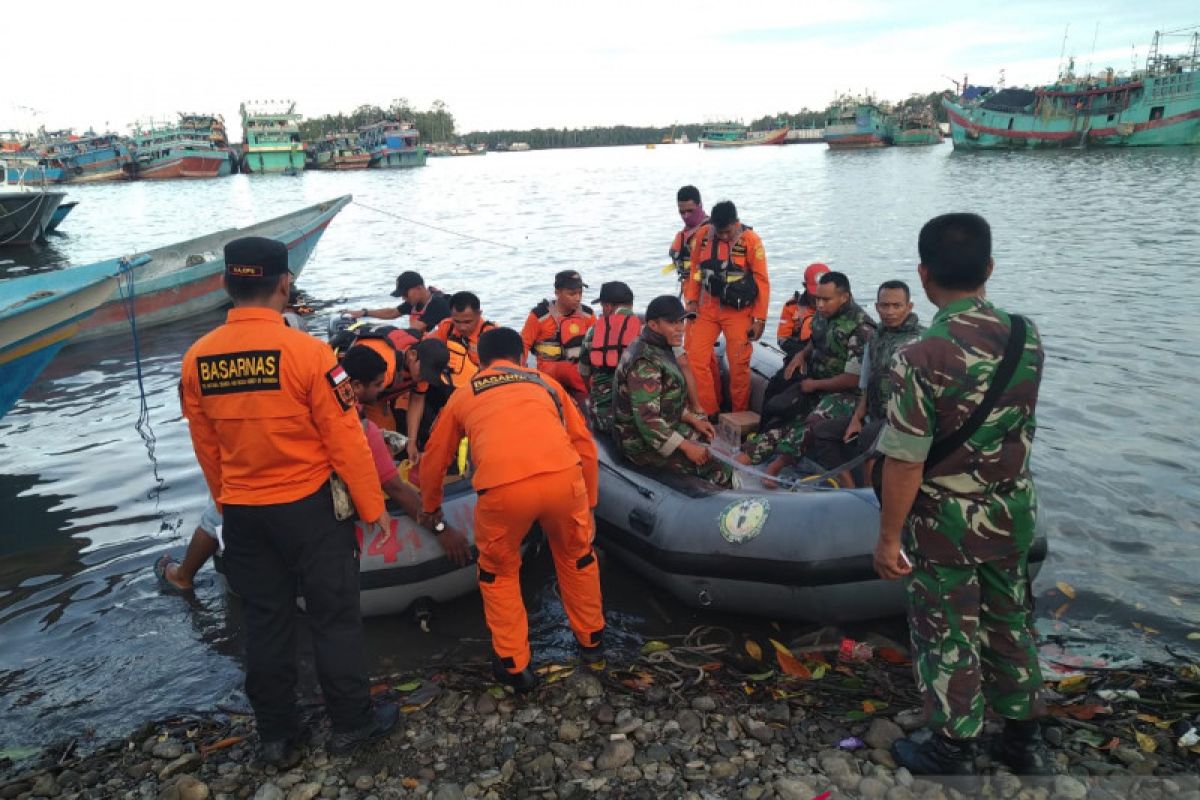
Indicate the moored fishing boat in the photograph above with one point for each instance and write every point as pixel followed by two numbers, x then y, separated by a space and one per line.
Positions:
pixel 63 157
pixel 853 123
pixel 212 128
pixel 1158 105
pixel 917 126
pixel 734 134
pixel 60 214
pixel 173 152
pixel 26 216
pixel 272 140
pixel 39 313
pixel 337 151
pixel 185 279
pixel 804 555
pixel 392 143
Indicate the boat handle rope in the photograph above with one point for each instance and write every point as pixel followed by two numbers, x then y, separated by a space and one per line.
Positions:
pixel 435 227
pixel 125 285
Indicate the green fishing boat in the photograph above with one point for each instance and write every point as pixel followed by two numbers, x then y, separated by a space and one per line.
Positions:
pixel 272 140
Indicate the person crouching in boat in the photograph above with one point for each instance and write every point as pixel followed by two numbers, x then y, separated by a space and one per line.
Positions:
pixel 535 461
pixel 554 332
pixel 603 345
pixel 388 408
pixel 651 420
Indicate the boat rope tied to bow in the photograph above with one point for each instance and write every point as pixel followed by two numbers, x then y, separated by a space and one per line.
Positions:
pixel 125 284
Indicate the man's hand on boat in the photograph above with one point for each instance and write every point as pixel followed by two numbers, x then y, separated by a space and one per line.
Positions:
pixel 382 527
pixel 414 453
pixel 695 452
pixel 853 429
pixel 756 329
pixel 452 541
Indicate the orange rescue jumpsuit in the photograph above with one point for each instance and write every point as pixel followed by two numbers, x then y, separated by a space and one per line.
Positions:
pixel 464 351
pixel 557 341
pixel 713 318
pixel 535 461
pixel 795 320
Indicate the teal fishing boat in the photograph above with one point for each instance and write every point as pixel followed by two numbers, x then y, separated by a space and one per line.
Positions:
pixel 734 134
pixel 853 123
pixel 392 143
pixel 917 126
pixel 272 140
pixel 1155 106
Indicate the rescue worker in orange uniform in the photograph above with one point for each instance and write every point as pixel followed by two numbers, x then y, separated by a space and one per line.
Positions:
pixel 461 334
pixel 729 290
pixel 796 318
pixel 554 332
pixel 272 416
pixel 389 408
pixel 535 461
pixel 691 210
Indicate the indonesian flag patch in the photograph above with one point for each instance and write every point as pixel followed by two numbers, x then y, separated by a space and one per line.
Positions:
pixel 343 392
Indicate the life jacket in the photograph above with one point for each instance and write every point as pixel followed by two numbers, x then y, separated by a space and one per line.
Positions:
pixel 400 339
pixel 609 340
pixel 733 286
pixel 556 347
pixel 464 358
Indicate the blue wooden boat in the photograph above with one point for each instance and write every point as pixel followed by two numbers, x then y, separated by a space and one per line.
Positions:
pixel 39 313
pixel 185 278
pixel 60 214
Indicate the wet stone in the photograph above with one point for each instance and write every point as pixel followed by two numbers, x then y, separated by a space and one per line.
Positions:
pixel 793 789
pixel 704 703
pixel 1069 788
pixel 605 715
pixel 304 791
pixel 485 704
pixel 615 755
pixel 185 763
pixel 883 758
pixel 689 721
pixel 872 789
pixel 720 770
pixel 882 733
pixel 168 750
pixel 269 791
pixel 585 686
pixel 448 791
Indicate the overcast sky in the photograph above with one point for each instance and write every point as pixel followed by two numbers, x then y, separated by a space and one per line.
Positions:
pixel 553 63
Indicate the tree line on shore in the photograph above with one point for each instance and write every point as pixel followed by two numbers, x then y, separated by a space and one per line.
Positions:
pixel 437 124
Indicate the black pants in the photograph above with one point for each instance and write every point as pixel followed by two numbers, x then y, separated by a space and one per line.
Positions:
pixel 268 549
pixel 828 449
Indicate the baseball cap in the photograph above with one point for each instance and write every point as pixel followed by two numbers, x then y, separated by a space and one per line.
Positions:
pixel 812 276
pixel 256 257
pixel 406 281
pixel 569 279
pixel 668 307
pixel 434 359
pixel 615 292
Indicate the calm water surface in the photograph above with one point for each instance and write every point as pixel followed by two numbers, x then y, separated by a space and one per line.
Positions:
pixel 1100 248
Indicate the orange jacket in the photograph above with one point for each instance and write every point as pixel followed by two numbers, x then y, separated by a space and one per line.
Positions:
pixel 272 415
pixel 795 320
pixel 748 254
pixel 464 351
pixel 515 430
pixel 552 337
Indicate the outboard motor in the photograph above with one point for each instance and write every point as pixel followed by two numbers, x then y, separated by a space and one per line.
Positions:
pixel 339 333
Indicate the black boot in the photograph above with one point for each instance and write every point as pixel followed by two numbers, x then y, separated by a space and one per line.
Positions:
pixel 938 755
pixel 1022 749
pixel 593 655
pixel 521 682
pixel 382 720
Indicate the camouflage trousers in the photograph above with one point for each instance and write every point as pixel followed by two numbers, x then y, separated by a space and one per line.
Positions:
pixel 794 438
pixel 972 638
pixel 713 471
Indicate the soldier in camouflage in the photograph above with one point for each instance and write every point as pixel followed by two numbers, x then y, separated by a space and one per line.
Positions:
pixel 831 364
pixel 840 439
pixel 968 519
pixel 652 423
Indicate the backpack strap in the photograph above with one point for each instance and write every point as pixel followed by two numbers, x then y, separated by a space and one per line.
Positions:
pixel 1004 373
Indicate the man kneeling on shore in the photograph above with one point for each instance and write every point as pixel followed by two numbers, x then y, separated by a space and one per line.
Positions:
pixel 651 420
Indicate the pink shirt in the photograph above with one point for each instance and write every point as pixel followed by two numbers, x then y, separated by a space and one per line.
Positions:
pixel 384 464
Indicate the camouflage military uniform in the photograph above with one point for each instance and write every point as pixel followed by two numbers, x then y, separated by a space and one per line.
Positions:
pixel 600 387
pixel 972 524
pixel 649 399
pixel 837 348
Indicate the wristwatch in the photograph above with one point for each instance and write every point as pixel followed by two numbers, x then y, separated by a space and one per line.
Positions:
pixel 439 528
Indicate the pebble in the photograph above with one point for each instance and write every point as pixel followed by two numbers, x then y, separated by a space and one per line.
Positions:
pixel 189 787
pixel 585 686
pixel 900 793
pixel 882 733
pixel 872 789
pixel 704 703
pixel 910 720
pixel 720 770
pixel 304 791
pixel 793 789
pixel 605 715
pixel 1069 788
pixel 569 731
pixel 689 721
pixel 448 791
pixel 269 791
pixel 883 758
pixel 45 786
pixel 616 754
pixel 364 782
pixel 168 750
pixel 185 763
pixel 485 704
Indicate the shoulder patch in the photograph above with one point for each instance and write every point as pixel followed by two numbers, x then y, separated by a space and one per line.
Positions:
pixel 339 382
pixel 244 371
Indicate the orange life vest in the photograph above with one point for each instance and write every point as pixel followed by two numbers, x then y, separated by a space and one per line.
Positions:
pixel 609 340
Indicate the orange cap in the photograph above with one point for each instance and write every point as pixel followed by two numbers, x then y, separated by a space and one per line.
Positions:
pixel 813 273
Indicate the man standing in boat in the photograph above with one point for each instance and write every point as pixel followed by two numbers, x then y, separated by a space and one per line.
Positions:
pixel 651 420
pixel 958 495
pixel 691 210
pixel 729 291
pixel 272 416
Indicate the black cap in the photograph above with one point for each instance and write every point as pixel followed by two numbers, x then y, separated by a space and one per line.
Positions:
pixel 668 307
pixel 615 292
pixel 405 281
pixel 256 257
pixel 569 279
pixel 434 358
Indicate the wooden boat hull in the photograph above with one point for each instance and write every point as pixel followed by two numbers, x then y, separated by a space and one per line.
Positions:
pixel 772 137
pixel 264 162
pixel 25 217
pixel 40 313
pixel 916 137
pixel 854 141
pixel 186 279
pixel 184 165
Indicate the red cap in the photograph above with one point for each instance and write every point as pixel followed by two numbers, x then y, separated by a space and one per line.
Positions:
pixel 813 273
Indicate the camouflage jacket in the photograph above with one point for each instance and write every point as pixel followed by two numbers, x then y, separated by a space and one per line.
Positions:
pixel 979 504
pixel 838 342
pixel 649 399
pixel 878 369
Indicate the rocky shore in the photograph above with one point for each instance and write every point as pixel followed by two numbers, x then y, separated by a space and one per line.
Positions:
pixel 686 722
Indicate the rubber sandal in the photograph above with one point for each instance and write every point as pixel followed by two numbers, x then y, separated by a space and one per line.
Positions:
pixel 164 585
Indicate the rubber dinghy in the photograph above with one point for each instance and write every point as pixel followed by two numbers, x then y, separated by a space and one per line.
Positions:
pixel 801 555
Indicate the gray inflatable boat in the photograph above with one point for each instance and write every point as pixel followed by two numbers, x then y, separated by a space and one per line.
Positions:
pixel 802 555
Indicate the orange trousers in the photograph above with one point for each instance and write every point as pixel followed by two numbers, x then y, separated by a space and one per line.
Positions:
pixel 558 501
pixel 713 320
pixel 566 373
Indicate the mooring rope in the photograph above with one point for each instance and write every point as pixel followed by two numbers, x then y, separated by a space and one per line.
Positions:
pixel 125 283
pixel 435 227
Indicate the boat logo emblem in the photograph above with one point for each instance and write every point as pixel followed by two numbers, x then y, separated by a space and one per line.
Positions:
pixel 743 520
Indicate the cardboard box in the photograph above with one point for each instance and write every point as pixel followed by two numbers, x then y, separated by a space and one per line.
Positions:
pixel 735 426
